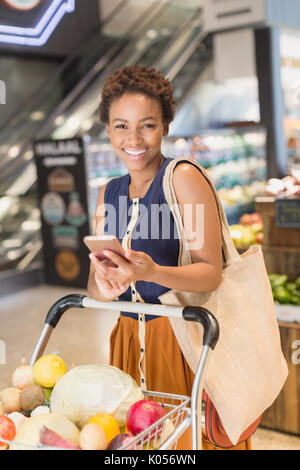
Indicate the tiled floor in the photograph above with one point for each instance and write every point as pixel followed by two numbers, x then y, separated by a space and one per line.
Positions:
pixel 81 336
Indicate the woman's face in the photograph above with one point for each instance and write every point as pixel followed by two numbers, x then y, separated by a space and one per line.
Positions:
pixel 136 129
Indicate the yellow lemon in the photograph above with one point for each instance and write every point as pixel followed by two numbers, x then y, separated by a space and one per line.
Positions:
pixel 48 369
pixel 108 423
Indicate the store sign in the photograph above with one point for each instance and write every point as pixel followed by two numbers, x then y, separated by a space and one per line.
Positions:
pixel 62 190
pixel 31 22
pixel 287 213
pixel 226 14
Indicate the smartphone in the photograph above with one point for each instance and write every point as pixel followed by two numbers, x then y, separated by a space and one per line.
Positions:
pixel 97 244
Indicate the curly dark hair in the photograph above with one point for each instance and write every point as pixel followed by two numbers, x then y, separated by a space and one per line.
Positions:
pixel 138 79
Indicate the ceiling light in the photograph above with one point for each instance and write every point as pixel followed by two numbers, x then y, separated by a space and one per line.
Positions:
pixel 37 116
pixel 14 151
pixel 59 120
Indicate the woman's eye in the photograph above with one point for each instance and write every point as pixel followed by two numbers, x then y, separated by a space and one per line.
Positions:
pixel 121 126
pixel 148 126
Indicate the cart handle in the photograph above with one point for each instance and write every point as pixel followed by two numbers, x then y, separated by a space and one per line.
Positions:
pixel 61 306
pixel 209 322
pixel 199 314
pixel 196 314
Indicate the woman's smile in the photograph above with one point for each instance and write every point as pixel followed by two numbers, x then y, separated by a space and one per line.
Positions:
pixel 135 154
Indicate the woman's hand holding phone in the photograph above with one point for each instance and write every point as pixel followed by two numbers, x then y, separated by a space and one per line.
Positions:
pixel 114 274
pixel 108 289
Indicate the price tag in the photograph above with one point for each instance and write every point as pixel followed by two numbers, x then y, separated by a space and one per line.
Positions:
pixel 287 213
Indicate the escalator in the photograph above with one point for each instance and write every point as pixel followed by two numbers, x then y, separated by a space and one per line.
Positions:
pixel 169 36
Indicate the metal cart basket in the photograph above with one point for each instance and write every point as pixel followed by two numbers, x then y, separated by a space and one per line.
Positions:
pixel 181 411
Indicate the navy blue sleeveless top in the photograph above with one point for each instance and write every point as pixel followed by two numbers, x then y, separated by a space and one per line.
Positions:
pixel 154 230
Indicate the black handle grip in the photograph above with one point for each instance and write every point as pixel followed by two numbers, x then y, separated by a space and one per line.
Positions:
pixel 208 321
pixel 61 306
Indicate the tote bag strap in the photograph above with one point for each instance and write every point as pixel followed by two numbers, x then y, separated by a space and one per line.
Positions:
pixel 230 252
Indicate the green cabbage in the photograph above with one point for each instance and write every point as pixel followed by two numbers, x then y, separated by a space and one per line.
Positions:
pixel 91 389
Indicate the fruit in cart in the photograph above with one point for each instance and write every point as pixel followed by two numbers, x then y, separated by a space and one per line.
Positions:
pixel 143 414
pixel 53 439
pixel 48 369
pixel 23 376
pixel 7 429
pixel 10 399
pixel 32 397
pixel 90 389
pixel 92 437
pixel 108 423
pixel 48 392
pixel 167 430
pixel 40 410
pixel 29 431
pixel 17 418
pixel 119 441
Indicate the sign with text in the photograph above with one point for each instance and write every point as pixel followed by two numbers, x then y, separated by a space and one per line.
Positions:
pixel 287 213
pixel 62 189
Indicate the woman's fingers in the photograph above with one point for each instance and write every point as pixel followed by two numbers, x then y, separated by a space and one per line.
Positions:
pixel 102 283
pixel 109 285
pixel 116 259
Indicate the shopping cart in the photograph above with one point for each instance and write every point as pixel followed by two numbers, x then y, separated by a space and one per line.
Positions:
pixel 181 411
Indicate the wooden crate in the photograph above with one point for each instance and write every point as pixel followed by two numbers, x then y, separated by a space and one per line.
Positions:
pixel 284 414
pixel 273 235
pixel 282 260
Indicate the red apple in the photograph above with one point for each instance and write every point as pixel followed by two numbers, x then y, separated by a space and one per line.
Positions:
pixel 143 414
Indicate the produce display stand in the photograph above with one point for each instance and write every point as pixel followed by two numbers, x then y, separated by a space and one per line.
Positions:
pixel 181 412
pixel 281 250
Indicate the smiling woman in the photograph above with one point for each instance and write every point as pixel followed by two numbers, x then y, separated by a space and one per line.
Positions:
pixel 137 107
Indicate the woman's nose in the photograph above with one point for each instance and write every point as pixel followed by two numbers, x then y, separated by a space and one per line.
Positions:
pixel 134 138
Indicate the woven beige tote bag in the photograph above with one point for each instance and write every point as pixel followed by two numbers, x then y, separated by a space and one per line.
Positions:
pixel 247 369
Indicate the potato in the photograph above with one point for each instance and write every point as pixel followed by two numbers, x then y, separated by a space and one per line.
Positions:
pixel 10 400
pixel 32 397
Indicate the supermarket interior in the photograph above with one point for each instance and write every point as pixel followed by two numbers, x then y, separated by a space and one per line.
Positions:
pixel 235 70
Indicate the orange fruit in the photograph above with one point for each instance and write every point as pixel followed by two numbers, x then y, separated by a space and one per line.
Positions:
pixel 108 423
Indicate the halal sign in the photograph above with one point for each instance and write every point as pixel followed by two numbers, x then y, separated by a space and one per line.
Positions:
pixel 22 4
